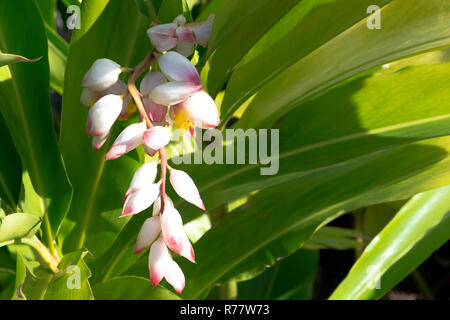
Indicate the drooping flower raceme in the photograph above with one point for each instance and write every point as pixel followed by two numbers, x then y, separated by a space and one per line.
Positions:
pixel 170 95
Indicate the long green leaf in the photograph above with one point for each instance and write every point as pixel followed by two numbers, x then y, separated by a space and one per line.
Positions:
pixel 239 24
pixel 311 200
pixel 10 168
pixel 25 106
pixel 311 140
pixel 419 218
pixel 290 40
pixel 408 27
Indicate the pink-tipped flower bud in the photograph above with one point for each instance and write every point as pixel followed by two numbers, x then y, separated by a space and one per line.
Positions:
pixel 103 114
pixel 156 137
pixel 163 36
pixel 185 187
pixel 102 75
pixel 148 233
pixel 129 139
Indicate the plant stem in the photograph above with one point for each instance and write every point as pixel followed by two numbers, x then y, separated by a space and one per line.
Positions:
pixel 39 247
pixel 135 74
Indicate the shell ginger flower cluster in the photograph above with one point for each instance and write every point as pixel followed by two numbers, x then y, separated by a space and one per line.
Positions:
pixel 170 94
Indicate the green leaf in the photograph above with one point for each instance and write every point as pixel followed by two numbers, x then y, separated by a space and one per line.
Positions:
pixel 17 226
pixel 310 137
pixel 424 217
pixel 57 47
pixel 287 42
pixel 10 168
pixel 25 106
pixel 57 56
pixel 131 288
pixel 20 279
pixel 406 30
pixel 93 220
pixel 72 280
pixel 292 278
pixel 311 141
pixel 149 8
pixel 170 9
pixel 237 27
pixel 313 199
pixel 47 9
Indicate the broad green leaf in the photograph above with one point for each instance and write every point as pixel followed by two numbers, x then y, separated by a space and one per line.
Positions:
pixel 290 40
pixel 374 113
pixel 57 47
pixel 10 168
pixel 237 27
pixel 47 9
pixel 311 140
pixel 131 288
pixel 170 9
pixel 119 34
pixel 408 27
pixel 311 200
pixel 8 58
pixel 25 106
pixel 149 8
pixel 57 56
pixel 292 278
pixel 72 280
pixel 425 215
pixel 17 226
pixel 213 6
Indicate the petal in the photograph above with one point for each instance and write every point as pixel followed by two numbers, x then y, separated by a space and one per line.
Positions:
pixel 144 176
pixel 119 88
pixel 172 229
pixel 140 200
pixel 201 110
pixel 185 34
pixel 157 205
pixel 151 80
pixel 148 233
pixel 149 150
pixel 89 96
pixel 202 31
pixel 174 275
pixel 128 139
pixel 173 92
pixel 178 68
pixel 157 137
pixel 156 112
pixel 185 48
pixel 185 187
pixel 99 141
pixel 125 106
pixel 102 75
pixel 173 233
pixel 163 36
pixel 158 261
pixel 102 115
pixel 179 20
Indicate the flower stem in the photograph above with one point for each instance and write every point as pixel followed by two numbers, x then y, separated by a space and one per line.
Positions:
pixel 135 74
